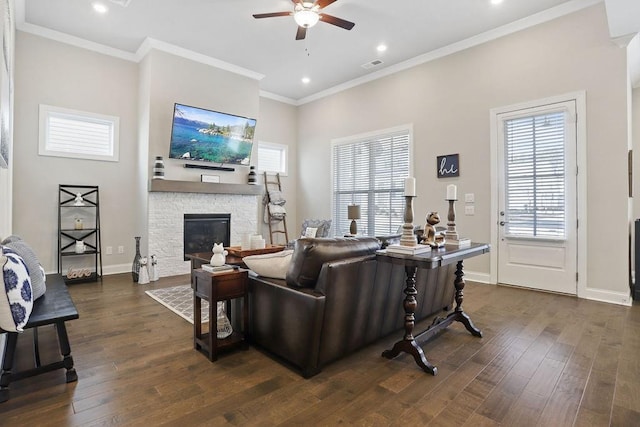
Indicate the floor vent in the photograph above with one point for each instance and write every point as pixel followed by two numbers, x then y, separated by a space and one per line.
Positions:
pixel 372 64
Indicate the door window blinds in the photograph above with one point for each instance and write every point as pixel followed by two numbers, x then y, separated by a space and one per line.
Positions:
pixel 535 176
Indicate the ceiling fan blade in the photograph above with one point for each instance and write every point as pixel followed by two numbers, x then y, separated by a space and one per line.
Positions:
pixel 347 25
pixel 271 15
pixel 324 3
pixel 301 33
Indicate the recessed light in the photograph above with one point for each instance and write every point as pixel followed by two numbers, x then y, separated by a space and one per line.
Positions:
pixel 99 7
pixel 381 47
pixel 306 80
pixel 496 1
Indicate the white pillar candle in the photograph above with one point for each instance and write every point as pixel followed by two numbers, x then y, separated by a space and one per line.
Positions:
pixel 410 187
pixel 452 192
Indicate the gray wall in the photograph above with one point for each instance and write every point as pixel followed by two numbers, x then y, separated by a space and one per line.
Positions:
pixel 448 102
pixel 48 72
pixel 142 95
pixel 278 124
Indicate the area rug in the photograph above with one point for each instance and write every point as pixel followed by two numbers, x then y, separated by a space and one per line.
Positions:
pixel 179 299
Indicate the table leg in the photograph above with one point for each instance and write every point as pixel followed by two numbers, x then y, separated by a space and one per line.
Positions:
pixel 408 343
pixel 197 320
pixel 213 328
pixel 460 315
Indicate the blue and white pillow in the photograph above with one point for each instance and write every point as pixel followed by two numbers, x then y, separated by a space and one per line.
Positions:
pixel 16 298
pixel 37 275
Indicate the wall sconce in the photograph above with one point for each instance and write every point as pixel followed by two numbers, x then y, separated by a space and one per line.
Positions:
pixel 353 213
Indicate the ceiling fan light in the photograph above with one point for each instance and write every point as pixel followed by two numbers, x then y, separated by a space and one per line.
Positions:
pixel 306 18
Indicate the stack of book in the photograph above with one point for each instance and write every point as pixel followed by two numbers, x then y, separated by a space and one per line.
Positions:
pixel 460 242
pixel 216 268
pixel 408 250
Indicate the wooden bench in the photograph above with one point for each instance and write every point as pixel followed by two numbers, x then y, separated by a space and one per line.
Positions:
pixel 54 308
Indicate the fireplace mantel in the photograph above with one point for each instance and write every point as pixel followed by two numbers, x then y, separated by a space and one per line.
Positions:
pixel 165 185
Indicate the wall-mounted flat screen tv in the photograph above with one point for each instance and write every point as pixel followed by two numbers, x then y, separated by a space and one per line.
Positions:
pixel 211 136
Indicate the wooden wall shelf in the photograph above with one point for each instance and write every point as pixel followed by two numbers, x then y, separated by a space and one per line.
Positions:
pixel 169 186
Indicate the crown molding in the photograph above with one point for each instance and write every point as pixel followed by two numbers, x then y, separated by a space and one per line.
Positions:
pixel 279 98
pixel 143 50
pixel 150 43
pixel 21 25
pixel 522 24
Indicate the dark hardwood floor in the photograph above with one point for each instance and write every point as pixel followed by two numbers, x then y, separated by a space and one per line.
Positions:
pixel 544 360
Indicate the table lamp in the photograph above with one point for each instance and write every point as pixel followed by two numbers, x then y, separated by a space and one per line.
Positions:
pixel 353 213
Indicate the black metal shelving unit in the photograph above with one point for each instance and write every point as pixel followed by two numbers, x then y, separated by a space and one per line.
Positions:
pixel 69 234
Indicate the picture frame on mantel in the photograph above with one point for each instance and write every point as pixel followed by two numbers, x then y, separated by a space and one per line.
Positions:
pixel 448 165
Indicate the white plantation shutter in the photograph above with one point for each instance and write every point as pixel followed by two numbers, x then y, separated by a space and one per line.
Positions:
pixel 371 173
pixel 272 157
pixel 535 176
pixel 77 134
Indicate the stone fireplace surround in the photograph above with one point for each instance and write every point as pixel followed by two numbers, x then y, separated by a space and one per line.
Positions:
pixel 168 204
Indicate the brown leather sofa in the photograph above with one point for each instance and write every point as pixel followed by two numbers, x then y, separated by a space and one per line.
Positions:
pixel 336 299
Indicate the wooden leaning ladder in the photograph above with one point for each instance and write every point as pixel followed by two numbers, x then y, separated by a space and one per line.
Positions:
pixel 277 183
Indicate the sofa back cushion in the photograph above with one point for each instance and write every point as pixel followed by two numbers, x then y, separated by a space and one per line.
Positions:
pixel 310 254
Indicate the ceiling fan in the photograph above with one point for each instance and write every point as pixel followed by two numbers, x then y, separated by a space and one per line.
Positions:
pixel 307 14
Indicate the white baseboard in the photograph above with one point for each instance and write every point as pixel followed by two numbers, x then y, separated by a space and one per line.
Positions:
pixel 116 269
pixel 109 269
pixel 474 276
pixel 620 298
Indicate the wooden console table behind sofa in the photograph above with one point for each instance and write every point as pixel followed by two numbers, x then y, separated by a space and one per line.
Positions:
pixel 435 259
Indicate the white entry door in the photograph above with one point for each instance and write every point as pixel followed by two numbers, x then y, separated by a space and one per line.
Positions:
pixel 537 231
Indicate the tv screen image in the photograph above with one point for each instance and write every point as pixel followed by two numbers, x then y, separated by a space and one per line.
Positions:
pixel 211 136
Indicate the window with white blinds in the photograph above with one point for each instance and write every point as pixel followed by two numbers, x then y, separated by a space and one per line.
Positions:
pixel 78 134
pixel 370 172
pixel 272 158
pixel 535 176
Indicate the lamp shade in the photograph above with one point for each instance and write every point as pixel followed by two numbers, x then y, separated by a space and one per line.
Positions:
pixel 353 211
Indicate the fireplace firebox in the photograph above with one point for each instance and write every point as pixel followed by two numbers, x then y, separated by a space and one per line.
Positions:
pixel 201 231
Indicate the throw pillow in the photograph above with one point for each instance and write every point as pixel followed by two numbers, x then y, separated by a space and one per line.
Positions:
pixel 274 265
pixel 36 272
pixel 310 232
pixel 16 300
pixel 323 226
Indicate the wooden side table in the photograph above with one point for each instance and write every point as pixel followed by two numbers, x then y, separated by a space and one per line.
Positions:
pixel 213 288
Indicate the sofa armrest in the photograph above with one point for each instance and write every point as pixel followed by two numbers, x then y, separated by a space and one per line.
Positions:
pixel 287 321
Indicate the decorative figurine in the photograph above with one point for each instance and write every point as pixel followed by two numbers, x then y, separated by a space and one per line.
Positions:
pixel 154 273
pixel 430 236
pixel 80 247
pixel 219 255
pixel 143 277
pixel 79 201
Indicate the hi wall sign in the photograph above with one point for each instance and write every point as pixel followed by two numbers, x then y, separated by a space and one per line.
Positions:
pixel 448 165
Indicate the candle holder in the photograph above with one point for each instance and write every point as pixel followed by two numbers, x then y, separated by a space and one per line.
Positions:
pixel 408 237
pixel 451 233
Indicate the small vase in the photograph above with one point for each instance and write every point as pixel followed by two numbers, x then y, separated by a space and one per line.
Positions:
pixel 253 177
pixel 158 168
pixel 135 267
